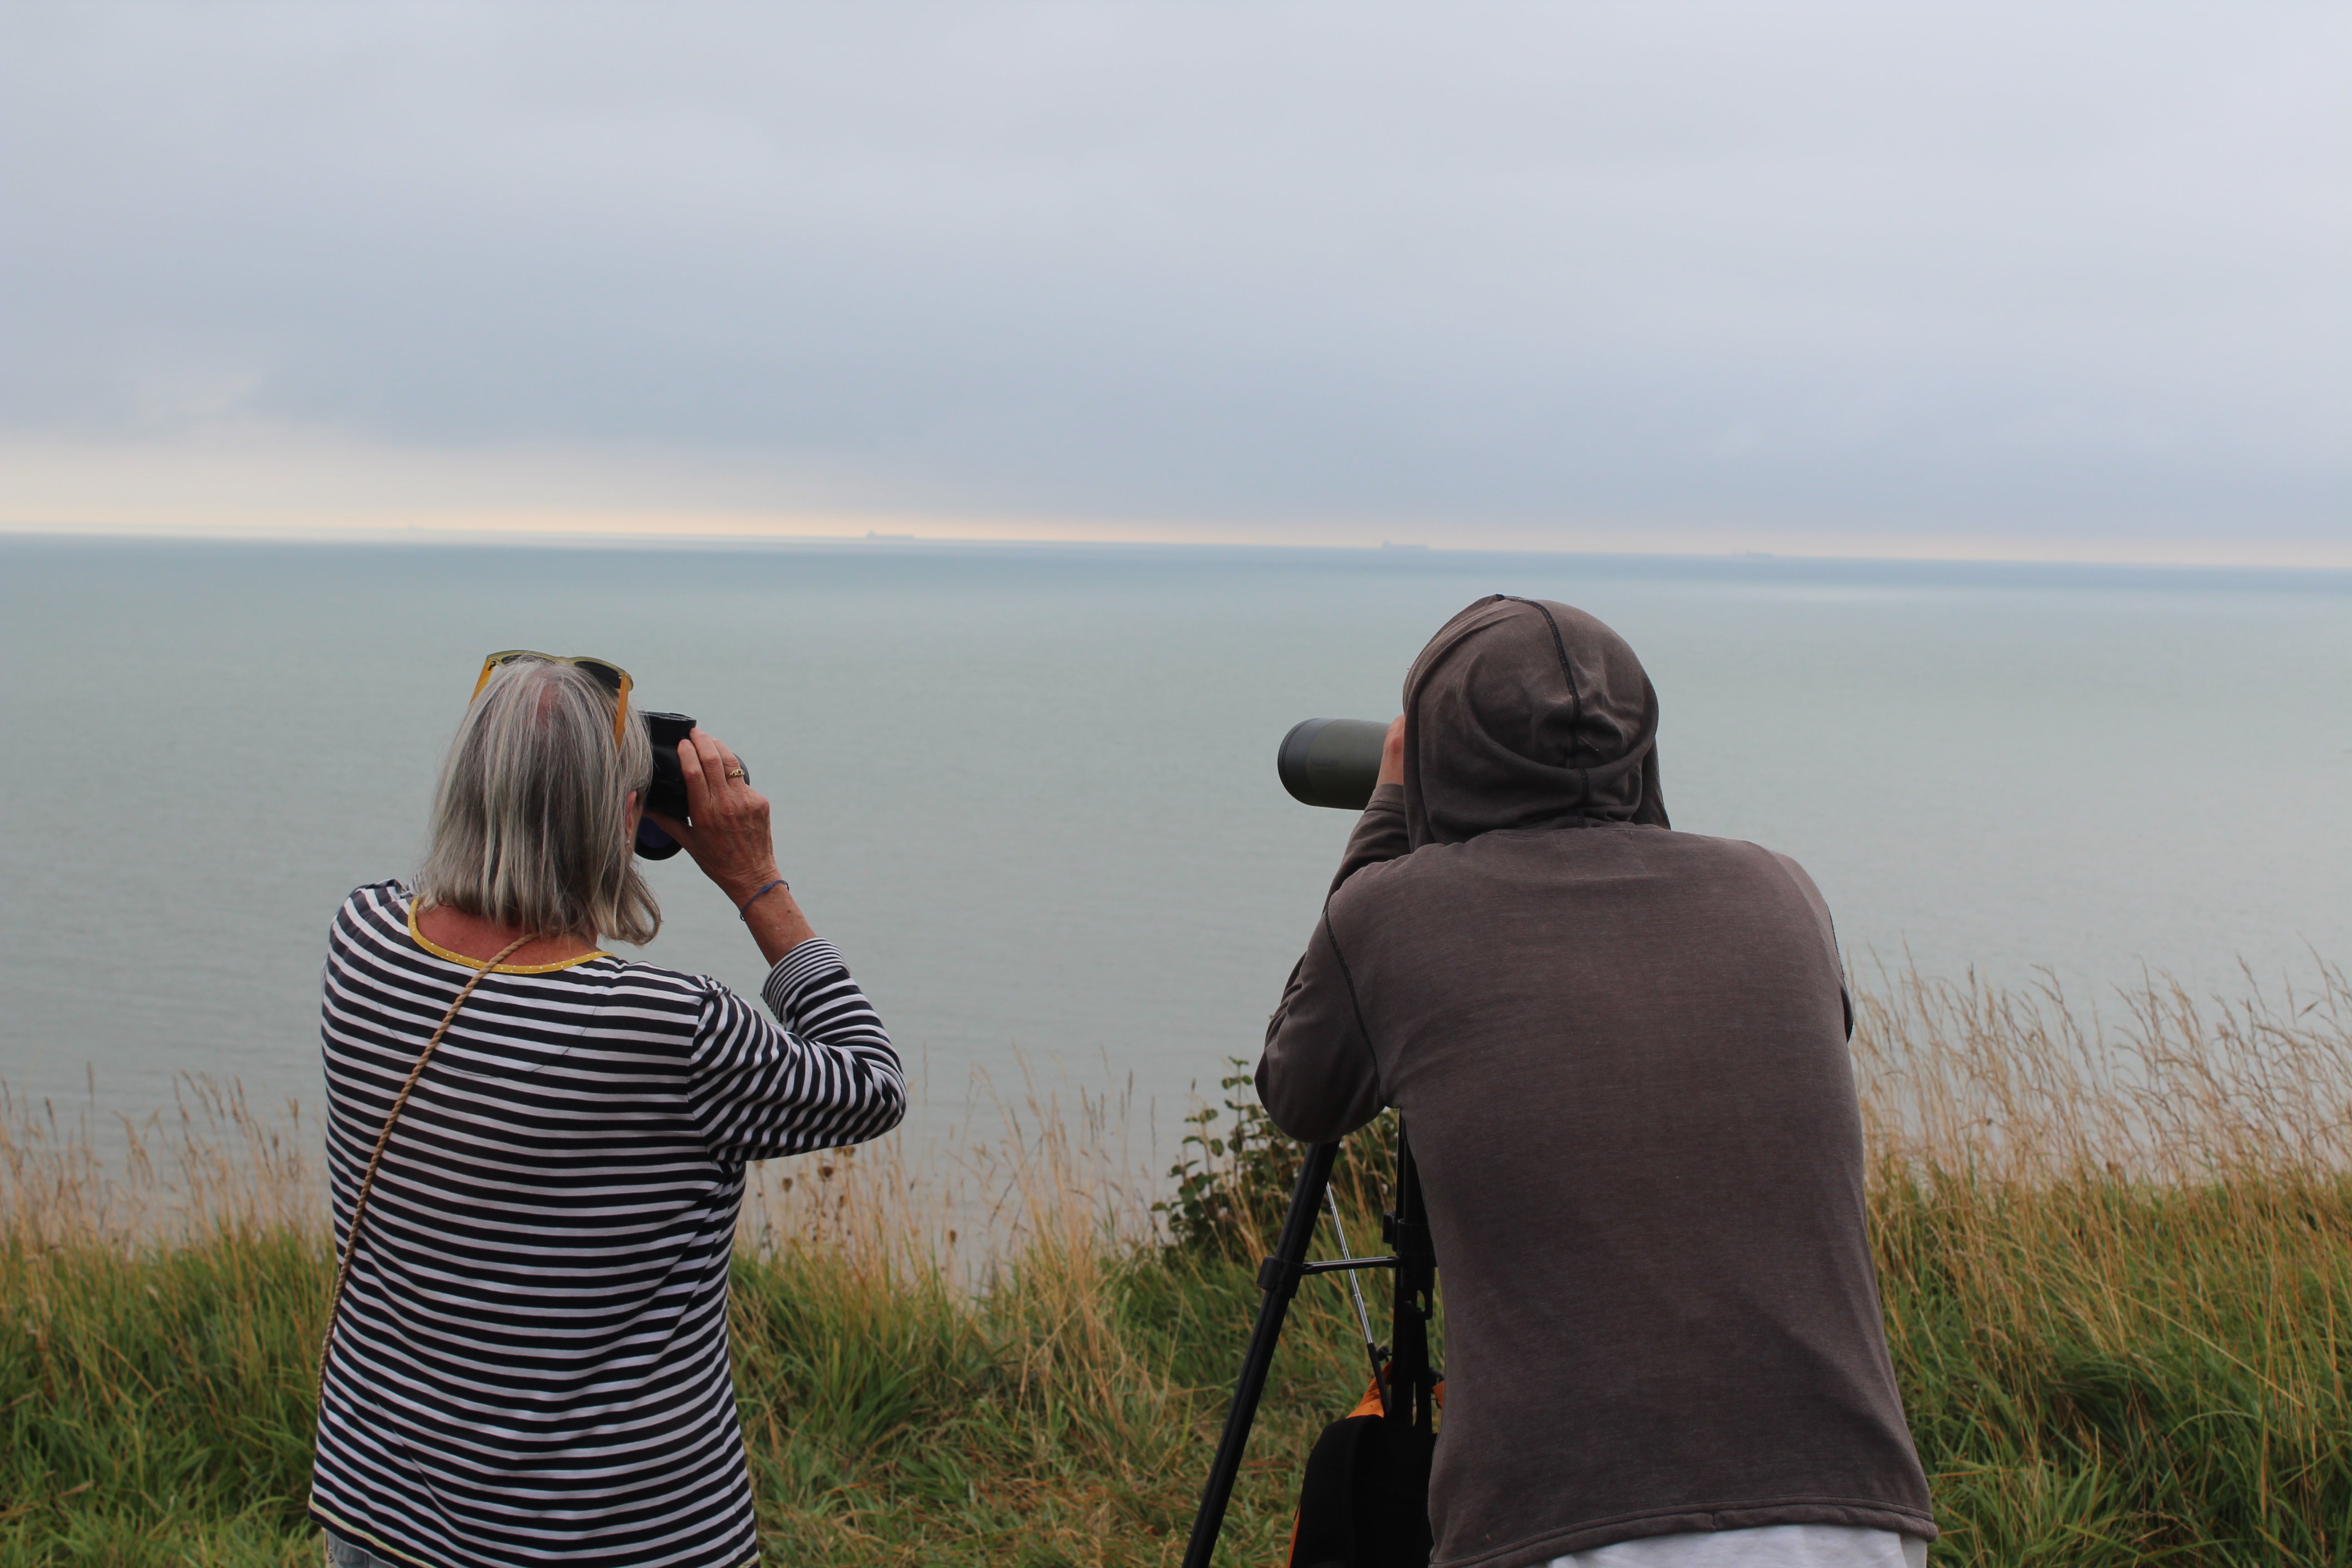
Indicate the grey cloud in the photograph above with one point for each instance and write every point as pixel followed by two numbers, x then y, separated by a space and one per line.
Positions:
pixel 1847 264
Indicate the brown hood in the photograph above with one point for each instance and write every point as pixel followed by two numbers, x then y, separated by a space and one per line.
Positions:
pixel 1526 714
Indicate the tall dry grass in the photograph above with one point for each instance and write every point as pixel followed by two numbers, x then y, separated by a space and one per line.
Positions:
pixel 207 1163
pixel 2116 1258
pixel 2024 1087
pixel 2112 1248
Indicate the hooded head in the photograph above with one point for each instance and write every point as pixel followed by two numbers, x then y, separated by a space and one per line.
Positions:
pixel 1526 713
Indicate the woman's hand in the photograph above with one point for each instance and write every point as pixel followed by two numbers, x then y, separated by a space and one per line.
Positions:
pixel 1392 755
pixel 731 841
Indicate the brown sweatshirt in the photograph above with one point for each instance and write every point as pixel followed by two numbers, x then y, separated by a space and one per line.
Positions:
pixel 1620 1056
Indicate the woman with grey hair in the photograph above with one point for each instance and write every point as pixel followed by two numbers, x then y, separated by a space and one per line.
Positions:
pixel 536 1150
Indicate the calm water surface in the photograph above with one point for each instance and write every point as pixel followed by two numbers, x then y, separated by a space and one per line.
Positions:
pixel 1030 791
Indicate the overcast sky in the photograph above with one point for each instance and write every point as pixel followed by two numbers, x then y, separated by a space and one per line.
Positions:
pixel 2040 278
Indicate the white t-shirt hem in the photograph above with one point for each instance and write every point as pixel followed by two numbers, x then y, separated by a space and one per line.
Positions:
pixel 1767 1546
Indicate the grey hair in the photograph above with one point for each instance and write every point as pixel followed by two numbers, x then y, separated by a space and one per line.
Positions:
pixel 529 828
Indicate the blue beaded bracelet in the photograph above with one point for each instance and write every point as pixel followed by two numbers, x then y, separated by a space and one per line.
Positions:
pixel 746 911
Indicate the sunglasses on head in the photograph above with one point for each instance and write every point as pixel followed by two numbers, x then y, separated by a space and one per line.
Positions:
pixel 609 676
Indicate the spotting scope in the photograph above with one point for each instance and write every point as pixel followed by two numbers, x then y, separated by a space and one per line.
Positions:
pixel 1331 762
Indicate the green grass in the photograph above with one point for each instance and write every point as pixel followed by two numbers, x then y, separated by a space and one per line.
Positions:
pixel 158 1404
pixel 2097 1374
pixel 2106 1372
pixel 2120 1333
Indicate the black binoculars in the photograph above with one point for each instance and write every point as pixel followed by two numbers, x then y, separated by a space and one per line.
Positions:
pixel 666 793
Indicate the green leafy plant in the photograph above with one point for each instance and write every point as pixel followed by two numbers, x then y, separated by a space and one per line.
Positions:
pixel 1234 1177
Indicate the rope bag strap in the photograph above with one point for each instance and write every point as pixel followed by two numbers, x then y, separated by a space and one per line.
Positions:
pixel 375 1161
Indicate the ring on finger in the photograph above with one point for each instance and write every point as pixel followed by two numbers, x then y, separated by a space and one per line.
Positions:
pixel 739 772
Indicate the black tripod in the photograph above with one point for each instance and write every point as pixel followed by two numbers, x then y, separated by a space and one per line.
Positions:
pixel 1408 1389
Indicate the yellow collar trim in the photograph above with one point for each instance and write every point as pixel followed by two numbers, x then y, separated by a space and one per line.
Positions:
pixel 438 950
pixel 367 1537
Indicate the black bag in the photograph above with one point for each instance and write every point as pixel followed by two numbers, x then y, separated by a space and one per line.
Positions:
pixel 1365 1501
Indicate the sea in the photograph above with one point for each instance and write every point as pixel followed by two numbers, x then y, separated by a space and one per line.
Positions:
pixel 1030 789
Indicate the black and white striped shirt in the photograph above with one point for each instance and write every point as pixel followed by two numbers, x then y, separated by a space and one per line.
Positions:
pixel 532 1357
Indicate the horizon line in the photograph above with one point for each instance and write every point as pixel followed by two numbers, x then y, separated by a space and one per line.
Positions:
pixel 1955 548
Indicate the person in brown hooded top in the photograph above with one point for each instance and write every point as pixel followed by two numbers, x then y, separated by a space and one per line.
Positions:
pixel 1620 1053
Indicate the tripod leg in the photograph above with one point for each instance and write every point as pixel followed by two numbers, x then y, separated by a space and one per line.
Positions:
pixel 1279 1277
pixel 1409 1429
pixel 1412 1382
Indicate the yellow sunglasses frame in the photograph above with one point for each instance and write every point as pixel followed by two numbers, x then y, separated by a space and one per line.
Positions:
pixel 620 714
